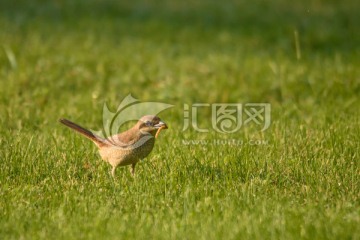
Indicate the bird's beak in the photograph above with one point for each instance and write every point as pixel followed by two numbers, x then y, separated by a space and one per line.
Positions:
pixel 161 125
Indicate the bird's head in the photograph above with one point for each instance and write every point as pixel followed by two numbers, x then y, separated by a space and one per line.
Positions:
pixel 150 124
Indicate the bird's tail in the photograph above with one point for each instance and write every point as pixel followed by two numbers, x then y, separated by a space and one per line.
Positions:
pixel 96 139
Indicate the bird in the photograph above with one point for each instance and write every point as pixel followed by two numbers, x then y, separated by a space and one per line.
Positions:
pixel 128 147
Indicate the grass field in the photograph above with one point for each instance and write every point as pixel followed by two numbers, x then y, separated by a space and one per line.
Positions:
pixel 67 58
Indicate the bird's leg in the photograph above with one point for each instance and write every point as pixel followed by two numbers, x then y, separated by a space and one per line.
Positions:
pixel 133 169
pixel 113 171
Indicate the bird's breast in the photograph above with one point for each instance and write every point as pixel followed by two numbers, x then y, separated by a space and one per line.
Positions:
pixel 125 155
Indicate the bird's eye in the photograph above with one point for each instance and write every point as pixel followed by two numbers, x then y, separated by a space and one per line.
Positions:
pixel 148 123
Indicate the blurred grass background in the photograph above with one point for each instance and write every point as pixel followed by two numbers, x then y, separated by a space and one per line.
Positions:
pixel 66 58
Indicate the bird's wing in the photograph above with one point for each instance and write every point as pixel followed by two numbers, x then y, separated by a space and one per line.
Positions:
pixel 126 138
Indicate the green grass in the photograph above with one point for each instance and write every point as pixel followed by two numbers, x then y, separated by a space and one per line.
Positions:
pixel 66 58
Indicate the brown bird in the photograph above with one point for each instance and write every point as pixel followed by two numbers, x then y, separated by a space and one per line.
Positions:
pixel 128 147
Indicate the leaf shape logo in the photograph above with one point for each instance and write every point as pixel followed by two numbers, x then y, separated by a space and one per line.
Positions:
pixel 130 109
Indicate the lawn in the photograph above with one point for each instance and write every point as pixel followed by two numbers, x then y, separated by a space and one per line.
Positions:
pixel 298 179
